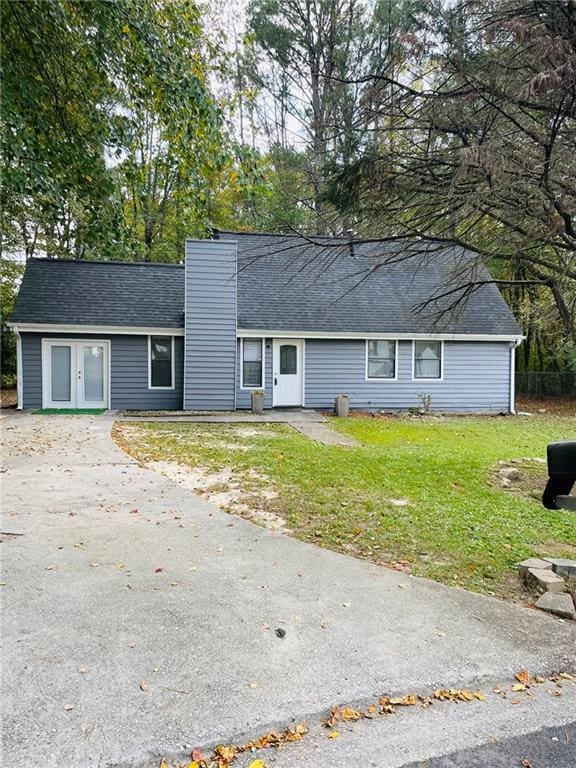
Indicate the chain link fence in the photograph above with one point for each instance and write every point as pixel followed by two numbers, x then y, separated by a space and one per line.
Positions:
pixel 546 383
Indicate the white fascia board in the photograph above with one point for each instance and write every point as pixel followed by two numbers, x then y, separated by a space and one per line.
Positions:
pixel 251 333
pixel 112 329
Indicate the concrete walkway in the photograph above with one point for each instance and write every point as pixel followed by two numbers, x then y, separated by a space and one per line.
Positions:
pixel 139 619
pixel 289 416
pixel 323 434
pixel 310 423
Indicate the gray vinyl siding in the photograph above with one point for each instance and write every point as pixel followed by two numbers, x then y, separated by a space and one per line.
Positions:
pixel 476 377
pixel 210 324
pixel 128 371
pixel 244 396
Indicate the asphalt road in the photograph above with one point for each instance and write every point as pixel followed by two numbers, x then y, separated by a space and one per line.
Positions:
pixel 548 748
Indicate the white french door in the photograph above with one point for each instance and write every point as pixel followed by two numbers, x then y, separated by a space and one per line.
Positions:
pixel 75 374
pixel 288 364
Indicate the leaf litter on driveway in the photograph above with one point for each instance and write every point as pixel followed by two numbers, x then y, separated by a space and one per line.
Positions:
pixel 224 756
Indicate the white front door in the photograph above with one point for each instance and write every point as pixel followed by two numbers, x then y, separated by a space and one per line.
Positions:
pixel 288 363
pixel 75 374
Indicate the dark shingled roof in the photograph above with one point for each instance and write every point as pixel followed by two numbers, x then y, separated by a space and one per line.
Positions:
pixel 323 284
pixel 285 283
pixel 101 293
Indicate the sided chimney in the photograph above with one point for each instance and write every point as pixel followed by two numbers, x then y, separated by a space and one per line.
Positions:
pixel 210 325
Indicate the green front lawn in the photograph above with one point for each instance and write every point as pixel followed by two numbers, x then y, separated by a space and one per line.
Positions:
pixel 419 494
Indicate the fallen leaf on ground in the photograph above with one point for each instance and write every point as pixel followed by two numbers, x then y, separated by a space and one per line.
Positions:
pixel 333 734
pixel 405 701
pixel 518 687
pixel 341 714
pixel 158 570
pixel 225 755
pixel 257 764
pixel 523 677
pixel 296 733
pixel 276 738
pixel 144 686
pixel 386 708
pixel 455 694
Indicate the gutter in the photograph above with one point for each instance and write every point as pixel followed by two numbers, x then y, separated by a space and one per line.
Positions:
pixel 513 349
pixel 19 382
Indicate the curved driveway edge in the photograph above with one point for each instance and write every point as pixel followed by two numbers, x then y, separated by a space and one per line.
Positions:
pixel 139 619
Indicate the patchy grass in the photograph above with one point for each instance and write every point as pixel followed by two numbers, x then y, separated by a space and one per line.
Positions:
pixel 419 494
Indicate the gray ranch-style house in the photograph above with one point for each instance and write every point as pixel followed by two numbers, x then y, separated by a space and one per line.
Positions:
pixel 301 319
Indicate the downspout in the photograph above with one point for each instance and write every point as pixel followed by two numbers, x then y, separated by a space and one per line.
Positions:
pixel 513 349
pixel 19 382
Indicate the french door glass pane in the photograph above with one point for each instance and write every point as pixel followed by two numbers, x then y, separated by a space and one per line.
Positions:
pixel 93 373
pixel 60 373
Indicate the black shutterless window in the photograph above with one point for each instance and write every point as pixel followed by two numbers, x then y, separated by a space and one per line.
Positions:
pixel 161 361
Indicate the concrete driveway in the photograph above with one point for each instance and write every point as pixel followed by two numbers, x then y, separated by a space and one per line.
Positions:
pixel 139 619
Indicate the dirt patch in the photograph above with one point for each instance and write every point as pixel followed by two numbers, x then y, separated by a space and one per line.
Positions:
pixel 556 549
pixel 523 477
pixel 249 432
pixel 557 406
pixel 8 398
pixel 241 493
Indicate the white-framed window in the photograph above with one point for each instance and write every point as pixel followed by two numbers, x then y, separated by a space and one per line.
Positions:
pixel 428 360
pixel 381 356
pixel 160 362
pixel 252 364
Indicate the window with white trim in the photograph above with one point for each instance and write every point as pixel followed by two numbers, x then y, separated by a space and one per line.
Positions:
pixel 161 362
pixel 427 359
pixel 252 368
pixel 381 359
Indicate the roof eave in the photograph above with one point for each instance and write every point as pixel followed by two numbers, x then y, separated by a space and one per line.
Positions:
pixel 295 334
pixel 128 330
